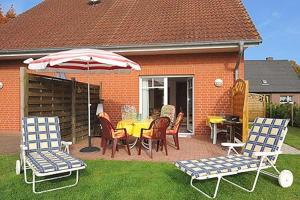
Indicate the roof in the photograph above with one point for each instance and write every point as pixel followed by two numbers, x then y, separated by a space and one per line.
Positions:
pixel 75 23
pixel 279 75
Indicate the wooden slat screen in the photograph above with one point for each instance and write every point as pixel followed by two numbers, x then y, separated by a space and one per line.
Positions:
pixel 67 99
pixel 240 92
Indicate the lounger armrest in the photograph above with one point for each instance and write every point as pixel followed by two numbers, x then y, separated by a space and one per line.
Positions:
pixel 232 147
pixel 274 153
pixel 23 147
pixel 66 144
pixel 233 144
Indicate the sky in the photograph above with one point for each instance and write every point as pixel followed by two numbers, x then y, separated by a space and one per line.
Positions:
pixel 277 21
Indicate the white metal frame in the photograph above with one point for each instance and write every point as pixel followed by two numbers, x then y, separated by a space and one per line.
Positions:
pixel 187 101
pixel 61 174
pixel 166 96
pixel 214 131
pixel 260 169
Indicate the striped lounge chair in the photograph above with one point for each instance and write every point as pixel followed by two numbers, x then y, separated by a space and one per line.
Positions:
pixel 42 152
pixel 259 153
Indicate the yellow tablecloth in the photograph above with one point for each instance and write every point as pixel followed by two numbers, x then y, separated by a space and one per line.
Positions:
pixel 133 127
pixel 214 120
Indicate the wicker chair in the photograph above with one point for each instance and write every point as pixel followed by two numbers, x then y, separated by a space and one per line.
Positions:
pixel 128 112
pixel 156 132
pixel 109 133
pixel 168 111
pixel 174 130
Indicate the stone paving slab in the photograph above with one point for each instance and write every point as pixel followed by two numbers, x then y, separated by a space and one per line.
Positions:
pixel 9 143
pixel 190 148
pixel 287 149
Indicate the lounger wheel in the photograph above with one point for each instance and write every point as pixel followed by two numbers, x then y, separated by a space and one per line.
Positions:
pixel 285 178
pixel 18 167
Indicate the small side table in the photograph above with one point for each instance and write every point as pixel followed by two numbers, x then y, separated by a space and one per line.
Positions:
pixel 231 125
pixel 212 122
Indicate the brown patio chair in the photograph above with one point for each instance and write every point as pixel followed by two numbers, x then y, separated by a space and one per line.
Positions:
pixel 105 115
pixel 174 130
pixel 109 133
pixel 156 132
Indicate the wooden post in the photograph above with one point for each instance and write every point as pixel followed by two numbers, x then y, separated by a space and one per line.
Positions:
pixel 24 89
pixel 264 106
pixel 245 113
pixel 100 90
pixel 292 114
pixel 73 110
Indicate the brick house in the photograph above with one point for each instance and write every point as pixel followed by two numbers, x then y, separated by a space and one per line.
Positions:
pixel 182 46
pixel 276 79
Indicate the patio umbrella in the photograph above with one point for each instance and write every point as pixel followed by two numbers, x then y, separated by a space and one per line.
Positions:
pixel 83 61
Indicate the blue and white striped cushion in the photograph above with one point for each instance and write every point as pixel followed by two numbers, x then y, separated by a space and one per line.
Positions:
pixel 266 135
pixel 217 165
pixel 51 161
pixel 41 133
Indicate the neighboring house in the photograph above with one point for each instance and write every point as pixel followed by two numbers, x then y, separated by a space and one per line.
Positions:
pixel 276 79
pixel 182 46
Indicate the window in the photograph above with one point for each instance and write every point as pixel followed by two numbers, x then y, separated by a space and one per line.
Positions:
pixel 286 99
pixel 264 82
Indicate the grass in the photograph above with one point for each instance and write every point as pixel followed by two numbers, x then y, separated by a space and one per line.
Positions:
pixel 144 180
pixel 293 137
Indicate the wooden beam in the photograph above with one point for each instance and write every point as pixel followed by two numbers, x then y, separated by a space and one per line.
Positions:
pixel 73 108
pixel 23 92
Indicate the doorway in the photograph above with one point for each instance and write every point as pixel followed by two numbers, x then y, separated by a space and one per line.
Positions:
pixel 174 90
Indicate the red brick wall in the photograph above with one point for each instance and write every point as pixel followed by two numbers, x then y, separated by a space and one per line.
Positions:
pixel 120 89
pixel 275 97
pixel 9 98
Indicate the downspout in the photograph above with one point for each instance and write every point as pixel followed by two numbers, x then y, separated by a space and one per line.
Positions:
pixel 238 61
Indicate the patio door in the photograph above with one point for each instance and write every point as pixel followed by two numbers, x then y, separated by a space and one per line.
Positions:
pixel 157 91
pixel 153 95
pixel 189 115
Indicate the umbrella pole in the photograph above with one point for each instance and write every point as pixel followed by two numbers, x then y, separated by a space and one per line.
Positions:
pixel 89 148
pixel 89 114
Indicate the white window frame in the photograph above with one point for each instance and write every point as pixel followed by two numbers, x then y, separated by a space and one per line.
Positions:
pixel 287 97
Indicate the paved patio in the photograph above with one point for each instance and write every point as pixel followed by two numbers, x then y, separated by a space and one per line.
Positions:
pixel 190 148
pixel 9 143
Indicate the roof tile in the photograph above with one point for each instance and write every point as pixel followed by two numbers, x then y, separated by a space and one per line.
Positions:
pixel 74 23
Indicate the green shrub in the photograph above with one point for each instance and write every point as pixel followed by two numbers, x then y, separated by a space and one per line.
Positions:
pixel 284 111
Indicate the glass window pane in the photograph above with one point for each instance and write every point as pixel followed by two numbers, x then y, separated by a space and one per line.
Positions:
pixel 156 101
pixel 158 82
pixel 149 82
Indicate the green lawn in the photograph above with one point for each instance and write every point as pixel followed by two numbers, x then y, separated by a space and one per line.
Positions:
pixel 144 180
pixel 293 137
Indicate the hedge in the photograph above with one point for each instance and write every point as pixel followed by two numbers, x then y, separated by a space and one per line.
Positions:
pixel 284 111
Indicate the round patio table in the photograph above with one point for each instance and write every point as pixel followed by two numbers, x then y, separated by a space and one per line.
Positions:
pixel 133 128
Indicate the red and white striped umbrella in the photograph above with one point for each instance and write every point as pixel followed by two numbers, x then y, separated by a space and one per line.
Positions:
pixel 83 61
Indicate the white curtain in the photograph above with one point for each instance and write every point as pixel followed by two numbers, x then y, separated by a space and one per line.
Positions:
pixel 145 99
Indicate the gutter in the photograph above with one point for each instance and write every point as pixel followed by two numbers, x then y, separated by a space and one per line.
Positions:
pixel 133 50
pixel 238 61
